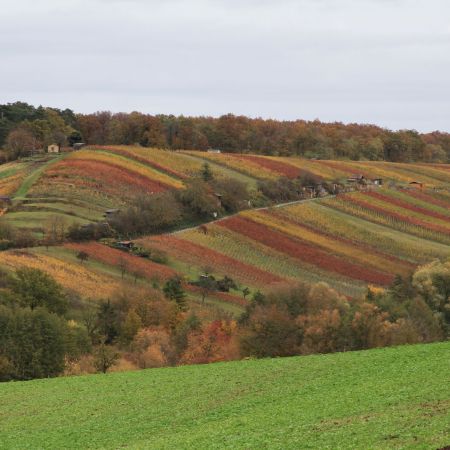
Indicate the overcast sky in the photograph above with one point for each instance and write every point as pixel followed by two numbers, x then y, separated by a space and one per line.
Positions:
pixel 379 61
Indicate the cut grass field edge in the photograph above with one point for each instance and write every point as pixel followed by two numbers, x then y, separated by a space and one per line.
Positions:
pixel 363 354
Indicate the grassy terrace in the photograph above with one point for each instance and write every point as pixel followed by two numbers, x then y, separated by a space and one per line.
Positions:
pixel 386 398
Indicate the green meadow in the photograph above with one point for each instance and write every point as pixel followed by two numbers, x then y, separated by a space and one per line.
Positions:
pixel 384 398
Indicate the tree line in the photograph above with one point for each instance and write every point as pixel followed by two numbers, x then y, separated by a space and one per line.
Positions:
pixel 24 128
pixel 45 331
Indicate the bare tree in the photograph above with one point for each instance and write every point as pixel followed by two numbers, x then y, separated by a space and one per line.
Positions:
pixel 82 256
pixel 55 231
pixel 123 266
pixel 105 357
pixel 137 275
pixel 21 142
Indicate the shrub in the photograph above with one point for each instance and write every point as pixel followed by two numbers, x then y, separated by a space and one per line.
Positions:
pixel 32 343
pixel 35 288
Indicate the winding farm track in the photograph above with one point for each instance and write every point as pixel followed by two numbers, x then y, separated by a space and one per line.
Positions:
pixel 28 182
pixel 264 208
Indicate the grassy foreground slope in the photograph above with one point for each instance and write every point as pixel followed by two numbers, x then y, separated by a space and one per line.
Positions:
pixel 384 398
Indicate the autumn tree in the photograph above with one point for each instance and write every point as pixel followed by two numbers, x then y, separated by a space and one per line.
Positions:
pixel 148 214
pixel 270 332
pixel 152 347
pixel 432 282
pixel 21 142
pixel 233 194
pixel 215 342
pixel 130 326
pixel 199 200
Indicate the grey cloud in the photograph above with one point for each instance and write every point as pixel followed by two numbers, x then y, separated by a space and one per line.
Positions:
pixel 354 61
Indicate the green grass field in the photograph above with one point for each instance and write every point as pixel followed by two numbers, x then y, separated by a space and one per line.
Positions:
pixel 385 398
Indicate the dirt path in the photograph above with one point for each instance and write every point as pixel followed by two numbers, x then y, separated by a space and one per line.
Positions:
pixel 264 208
pixel 28 182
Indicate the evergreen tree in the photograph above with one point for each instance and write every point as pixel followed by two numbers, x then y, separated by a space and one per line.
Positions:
pixel 173 290
pixel 107 322
pixel 207 174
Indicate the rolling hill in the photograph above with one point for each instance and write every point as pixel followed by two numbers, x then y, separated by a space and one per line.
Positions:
pixel 271 167
pixel 383 398
pixel 80 186
pixel 349 240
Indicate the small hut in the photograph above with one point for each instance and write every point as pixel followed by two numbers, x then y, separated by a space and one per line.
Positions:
pixel 359 178
pixel 126 245
pixel 53 148
pixel 416 184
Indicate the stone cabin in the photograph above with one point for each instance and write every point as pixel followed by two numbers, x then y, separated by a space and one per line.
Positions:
pixel 53 148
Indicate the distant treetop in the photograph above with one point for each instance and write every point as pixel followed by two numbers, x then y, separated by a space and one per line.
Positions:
pixel 229 133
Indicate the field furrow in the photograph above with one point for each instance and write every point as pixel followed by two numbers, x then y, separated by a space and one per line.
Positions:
pixel 304 251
